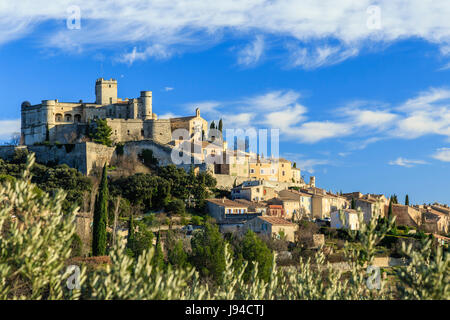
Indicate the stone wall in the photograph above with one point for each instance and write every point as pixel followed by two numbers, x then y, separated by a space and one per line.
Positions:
pixel 72 155
pixel 227 181
pixel 159 130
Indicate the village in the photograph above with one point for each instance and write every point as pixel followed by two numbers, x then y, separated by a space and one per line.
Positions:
pixel 246 191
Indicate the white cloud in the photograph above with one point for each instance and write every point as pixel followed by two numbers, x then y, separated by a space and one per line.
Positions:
pixel 319 56
pixel 312 132
pixel 238 121
pixel 206 107
pixel 273 100
pixel 8 128
pixel 289 116
pixel 308 165
pixel 155 51
pixel 184 24
pixel 168 115
pixel 167 89
pixel 442 154
pixel 366 122
pixel 251 54
pixel 408 163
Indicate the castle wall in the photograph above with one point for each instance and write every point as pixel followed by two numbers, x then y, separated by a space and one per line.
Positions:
pixel 227 181
pixel 158 130
pixel 96 156
pixel 160 152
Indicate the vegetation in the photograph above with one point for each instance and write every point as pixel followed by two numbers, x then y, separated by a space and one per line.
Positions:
pixel 208 253
pixel 100 217
pixel 101 132
pixel 36 243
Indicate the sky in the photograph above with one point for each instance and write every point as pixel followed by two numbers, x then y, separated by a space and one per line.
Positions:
pixel 359 89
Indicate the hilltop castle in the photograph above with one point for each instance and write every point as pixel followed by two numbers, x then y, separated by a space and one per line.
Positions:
pixel 58 132
pixel 129 119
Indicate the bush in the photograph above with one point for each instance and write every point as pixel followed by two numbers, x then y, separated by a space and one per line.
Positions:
pixel 176 206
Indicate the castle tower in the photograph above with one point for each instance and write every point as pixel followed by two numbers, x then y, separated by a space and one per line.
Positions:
pixel 146 101
pixel 105 91
pixel 48 112
pixel 312 181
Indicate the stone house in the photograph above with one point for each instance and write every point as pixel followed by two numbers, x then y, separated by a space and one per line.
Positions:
pixel 274 210
pixel 434 221
pixel 224 209
pixel 406 215
pixel 297 175
pixel 351 220
pixel 272 227
pixel 302 202
pixel 253 190
pixel 323 202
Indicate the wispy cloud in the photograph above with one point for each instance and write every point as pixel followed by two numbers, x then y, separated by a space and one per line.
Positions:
pixel 8 128
pixel 442 154
pixel 306 164
pixel 155 51
pixel 312 58
pixel 167 89
pixel 324 32
pixel 251 54
pixel 408 163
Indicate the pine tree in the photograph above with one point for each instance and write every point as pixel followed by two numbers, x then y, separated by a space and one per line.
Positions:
pixel 220 125
pixel 407 200
pixel 100 216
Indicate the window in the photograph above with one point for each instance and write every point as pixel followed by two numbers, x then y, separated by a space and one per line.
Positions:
pixel 252 170
pixel 283 173
pixel 58 117
pixel 68 117
pixel 77 118
pixel 128 132
pixel 110 100
pixel 142 132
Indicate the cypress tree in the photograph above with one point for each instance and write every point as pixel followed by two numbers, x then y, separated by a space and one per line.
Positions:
pixel 158 257
pixel 390 210
pixel 130 240
pixel 100 216
pixel 213 125
pixel 407 200
pixel 353 203
pixel 220 125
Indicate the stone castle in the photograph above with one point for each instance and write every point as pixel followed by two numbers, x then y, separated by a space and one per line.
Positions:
pixel 58 132
pixel 130 119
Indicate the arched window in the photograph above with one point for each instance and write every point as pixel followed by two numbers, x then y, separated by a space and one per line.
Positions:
pixel 77 118
pixel 68 117
pixel 58 117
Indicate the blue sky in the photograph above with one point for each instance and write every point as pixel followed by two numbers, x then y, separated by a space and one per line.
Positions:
pixel 359 89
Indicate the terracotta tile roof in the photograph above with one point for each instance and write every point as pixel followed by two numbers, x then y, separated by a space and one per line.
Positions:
pixel 250 203
pixel 277 221
pixel 227 203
